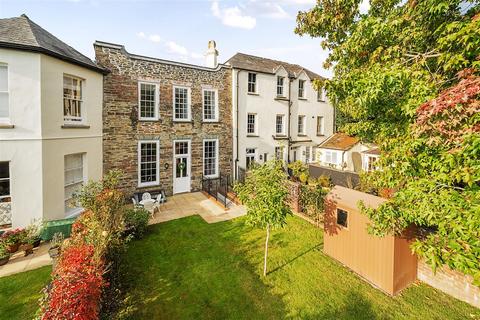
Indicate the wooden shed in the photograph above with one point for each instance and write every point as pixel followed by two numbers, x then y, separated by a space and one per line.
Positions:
pixel 385 262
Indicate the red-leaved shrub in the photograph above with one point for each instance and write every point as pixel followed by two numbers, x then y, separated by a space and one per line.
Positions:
pixel 77 284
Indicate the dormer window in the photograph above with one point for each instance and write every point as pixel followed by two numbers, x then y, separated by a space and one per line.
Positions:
pixel 301 89
pixel 252 82
pixel 280 85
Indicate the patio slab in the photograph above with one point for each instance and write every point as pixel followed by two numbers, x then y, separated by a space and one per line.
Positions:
pixel 196 203
pixel 18 263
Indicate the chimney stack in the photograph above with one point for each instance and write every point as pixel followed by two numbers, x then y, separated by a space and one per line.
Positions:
pixel 211 55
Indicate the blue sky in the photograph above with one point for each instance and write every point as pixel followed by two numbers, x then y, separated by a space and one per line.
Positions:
pixel 178 30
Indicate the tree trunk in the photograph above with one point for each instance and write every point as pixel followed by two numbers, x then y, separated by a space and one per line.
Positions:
pixel 266 251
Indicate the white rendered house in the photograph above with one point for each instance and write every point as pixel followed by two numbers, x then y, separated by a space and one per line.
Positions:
pixel 347 153
pixel 277 113
pixel 50 123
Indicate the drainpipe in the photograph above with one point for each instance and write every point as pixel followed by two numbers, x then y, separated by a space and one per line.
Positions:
pixel 289 116
pixel 236 133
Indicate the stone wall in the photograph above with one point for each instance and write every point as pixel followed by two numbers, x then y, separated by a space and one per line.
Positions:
pixel 122 128
pixel 451 282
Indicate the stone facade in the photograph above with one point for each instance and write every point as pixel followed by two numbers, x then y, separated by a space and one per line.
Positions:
pixel 122 128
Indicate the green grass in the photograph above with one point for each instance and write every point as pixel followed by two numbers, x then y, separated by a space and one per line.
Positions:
pixel 19 293
pixel 188 269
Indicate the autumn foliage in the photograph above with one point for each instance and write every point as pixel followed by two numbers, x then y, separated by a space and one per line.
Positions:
pixel 77 285
pixel 80 277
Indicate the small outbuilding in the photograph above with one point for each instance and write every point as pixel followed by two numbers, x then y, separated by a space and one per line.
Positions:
pixel 386 262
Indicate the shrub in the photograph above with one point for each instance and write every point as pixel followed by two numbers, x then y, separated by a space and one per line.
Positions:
pixel 136 220
pixel 312 201
pixel 77 285
pixel 299 169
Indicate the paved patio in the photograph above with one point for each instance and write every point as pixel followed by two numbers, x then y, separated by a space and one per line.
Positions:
pixel 189 204
pixel 18 263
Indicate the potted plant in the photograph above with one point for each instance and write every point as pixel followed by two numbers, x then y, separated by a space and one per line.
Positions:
pixel 33 233
pixel 11 239
pixel 55 245
pixel 4 254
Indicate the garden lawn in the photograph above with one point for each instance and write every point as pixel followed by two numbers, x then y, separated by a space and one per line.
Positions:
pixel 188 269
pixel 19 293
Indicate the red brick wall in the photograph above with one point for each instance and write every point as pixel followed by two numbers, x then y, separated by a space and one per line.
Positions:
pixel 451 282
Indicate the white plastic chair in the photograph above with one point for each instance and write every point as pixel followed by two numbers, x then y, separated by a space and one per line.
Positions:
pixel 160 198
pixel 146 196
pixel 150 207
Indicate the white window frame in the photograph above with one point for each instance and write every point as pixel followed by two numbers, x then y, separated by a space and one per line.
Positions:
pixel 329 154
pixel 6 119
pixel 255 125
pixel 216 119
pixel 368 163
pixel 189 104
pixel 78 210
pixel 321 119
pixel 83 111
pixel 156 105
pixel 304 124
pixel 282 153
pixel 281 87
pixel 217 160
pixel 321 93
pixel 255 83
pixel 282 132
pixel 139 159
pixel 250 154
pixel 304 89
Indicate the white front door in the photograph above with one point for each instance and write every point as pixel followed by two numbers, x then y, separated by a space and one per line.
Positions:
pixel 181 166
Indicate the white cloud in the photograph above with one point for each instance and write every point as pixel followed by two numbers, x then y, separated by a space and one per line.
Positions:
pixel 233 16
pixel 175 48
pixel 141 34
pixel 267 9
pixel 301 2
pixel 154 38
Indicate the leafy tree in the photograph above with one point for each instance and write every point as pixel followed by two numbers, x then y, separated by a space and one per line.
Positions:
pixel 392 59
pixel 265 194
pixel 406 77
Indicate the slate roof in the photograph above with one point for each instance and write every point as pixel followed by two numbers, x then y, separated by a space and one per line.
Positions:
pixel 339 141
pixel 23 34
pixel 259 64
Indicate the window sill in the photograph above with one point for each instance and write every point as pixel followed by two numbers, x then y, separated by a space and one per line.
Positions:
pixel 146 185
pixel 182 121
pixel 320 100
pixel 210 121
pixel 75 126
pixel 253 93
pixel 252 135
pixel 320 135
pixel 301 135
pixel 279 98
pixel 148 119
pixel 304 99
pixel 6 126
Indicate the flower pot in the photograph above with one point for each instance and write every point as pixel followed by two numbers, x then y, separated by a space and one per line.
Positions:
pixel 36 243
pixel 4 260
pixel 13 247
pixel 54 252
pixel 27 247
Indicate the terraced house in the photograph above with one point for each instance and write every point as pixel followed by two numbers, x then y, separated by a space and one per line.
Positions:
pixel 278 112
pixel 50 123
pixel 166 125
